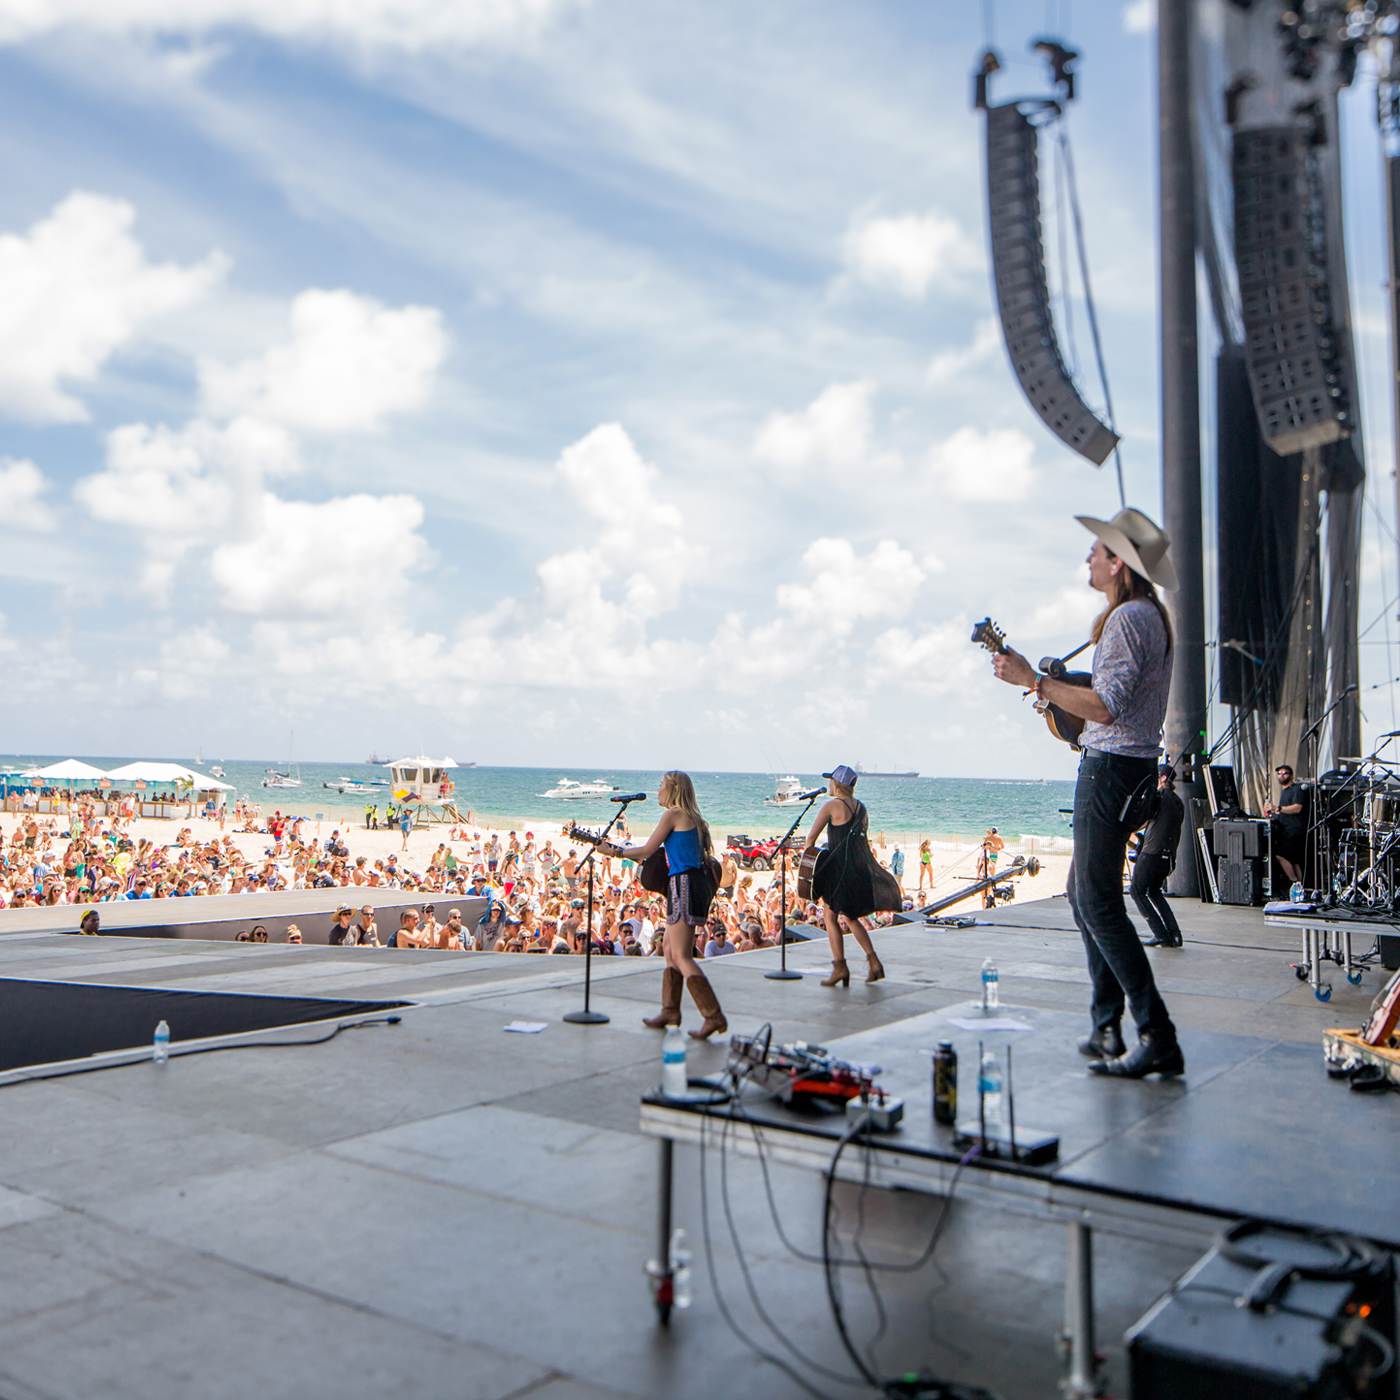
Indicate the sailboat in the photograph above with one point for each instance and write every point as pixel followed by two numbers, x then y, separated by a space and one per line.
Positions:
pixel 284 777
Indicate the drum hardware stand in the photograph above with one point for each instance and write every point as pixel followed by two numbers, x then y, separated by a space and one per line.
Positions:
pixel 784 973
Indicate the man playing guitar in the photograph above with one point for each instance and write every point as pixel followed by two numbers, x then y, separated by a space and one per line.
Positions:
pixel 1123 709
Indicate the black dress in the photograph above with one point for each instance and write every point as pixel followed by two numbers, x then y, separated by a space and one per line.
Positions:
pixel 848 877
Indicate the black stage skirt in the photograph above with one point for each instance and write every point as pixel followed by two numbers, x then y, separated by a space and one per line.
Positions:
pixel 848 877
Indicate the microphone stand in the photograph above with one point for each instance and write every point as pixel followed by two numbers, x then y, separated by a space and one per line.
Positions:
pixel 1314 732
pixel 589 1017
pixel 784 973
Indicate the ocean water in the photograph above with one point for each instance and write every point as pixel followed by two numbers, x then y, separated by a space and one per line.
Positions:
pixel 732 802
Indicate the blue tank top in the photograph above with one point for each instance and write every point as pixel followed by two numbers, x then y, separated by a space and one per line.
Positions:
pixel 683 851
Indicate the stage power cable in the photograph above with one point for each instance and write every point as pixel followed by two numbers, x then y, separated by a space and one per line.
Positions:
pixel 906 1384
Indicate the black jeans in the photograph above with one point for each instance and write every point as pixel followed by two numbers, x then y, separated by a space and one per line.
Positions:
pixel 1149 875
pixel 1119 970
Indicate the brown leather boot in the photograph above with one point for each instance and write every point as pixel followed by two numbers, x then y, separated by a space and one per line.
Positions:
pixel 703 995
pixel 875 969
pixel 840 974
pixel 670 1014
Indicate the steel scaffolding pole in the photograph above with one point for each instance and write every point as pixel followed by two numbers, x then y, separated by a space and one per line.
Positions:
pixel 1181 406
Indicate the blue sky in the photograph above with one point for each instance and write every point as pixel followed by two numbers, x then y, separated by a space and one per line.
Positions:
pixel 550 382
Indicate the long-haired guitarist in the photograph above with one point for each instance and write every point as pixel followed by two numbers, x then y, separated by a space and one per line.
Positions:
pixel 685 836
pixel 848 880
pixel 1123 708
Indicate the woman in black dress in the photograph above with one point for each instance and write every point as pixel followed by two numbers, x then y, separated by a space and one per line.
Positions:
pixel 849 881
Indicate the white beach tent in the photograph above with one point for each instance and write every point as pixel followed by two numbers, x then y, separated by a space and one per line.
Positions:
pixel 174 773
pixel 70 770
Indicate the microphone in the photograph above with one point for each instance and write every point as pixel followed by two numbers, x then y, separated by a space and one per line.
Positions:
pixel 807 796
pixel 630 797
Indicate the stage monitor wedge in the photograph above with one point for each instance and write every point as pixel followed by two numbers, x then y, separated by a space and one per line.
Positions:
pixel 1023 298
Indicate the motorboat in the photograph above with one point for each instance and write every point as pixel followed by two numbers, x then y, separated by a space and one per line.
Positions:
pixel 277 778
pixel 570 790
pixel 788 792
pixel 352 786
pixel 216 770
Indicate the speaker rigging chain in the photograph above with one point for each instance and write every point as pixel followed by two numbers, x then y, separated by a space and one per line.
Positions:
pixel 1090 311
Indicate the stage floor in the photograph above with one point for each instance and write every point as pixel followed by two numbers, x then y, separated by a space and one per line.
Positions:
pixel 438 1208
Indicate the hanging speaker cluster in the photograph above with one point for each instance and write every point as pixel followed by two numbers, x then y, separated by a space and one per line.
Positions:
pixel 1023 297
pixel 1292 348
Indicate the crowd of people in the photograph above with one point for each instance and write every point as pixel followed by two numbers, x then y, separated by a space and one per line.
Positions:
pixel 535 890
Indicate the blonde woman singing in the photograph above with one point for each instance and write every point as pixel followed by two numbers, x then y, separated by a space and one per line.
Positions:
pixel 691 886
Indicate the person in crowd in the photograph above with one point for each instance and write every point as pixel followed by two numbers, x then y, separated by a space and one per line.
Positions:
pixel 897 869
pixel 925 865
pixel 364 932
pixel 341 931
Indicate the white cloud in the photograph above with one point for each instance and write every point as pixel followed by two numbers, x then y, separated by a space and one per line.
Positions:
pixel 179 485
pixel 935 660
pixel 350 364
pixel 909 253
pixel 339 559
pixel 832 431
pixel 973 465
pixel 191 662
pixel 75 288
pixel 1139 16
pixel 22 487
pixel 1070 609
pixel 948 366
pixel 410 25
pixel 843 588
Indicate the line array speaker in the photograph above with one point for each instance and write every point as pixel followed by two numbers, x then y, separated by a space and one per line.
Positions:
pixel 1292 348
pixel 1023 299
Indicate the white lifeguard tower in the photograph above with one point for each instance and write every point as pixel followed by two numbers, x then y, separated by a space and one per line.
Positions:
pixel 426 785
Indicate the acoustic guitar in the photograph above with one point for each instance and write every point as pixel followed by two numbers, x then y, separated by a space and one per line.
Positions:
pixel 807 872
pixel 1063 725
pixel 653 874
pixel 1385 1015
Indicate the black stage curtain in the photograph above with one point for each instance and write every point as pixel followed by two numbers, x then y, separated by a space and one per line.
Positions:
pixel 41 1022
pixel 1257 543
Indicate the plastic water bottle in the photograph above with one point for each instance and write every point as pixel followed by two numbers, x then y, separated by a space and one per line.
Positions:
pixel 1295 892
pixel 680 1268
pixel 991 986
pixel 989 1090
pixel 674 1080
pixel 160 1046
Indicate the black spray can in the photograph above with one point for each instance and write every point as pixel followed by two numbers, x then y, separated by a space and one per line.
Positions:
pixel 945 1083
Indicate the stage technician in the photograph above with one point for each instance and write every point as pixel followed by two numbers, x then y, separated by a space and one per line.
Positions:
pixel 1123 707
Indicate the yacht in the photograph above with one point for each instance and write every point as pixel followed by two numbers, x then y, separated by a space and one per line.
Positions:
pixel 276 778
pixel 216 770
pixel 353 786
pixel 788 792
pixel 568 789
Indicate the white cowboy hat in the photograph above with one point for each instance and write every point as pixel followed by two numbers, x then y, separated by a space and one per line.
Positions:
pixel 1138 542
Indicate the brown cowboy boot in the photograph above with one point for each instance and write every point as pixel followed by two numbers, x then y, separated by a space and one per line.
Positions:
pixel 703 995
pixel 840 974
pixel 670 1014
pixel 876 969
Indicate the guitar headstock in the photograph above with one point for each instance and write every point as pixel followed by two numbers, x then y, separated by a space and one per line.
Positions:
pixel 574 832
pixel 987 634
